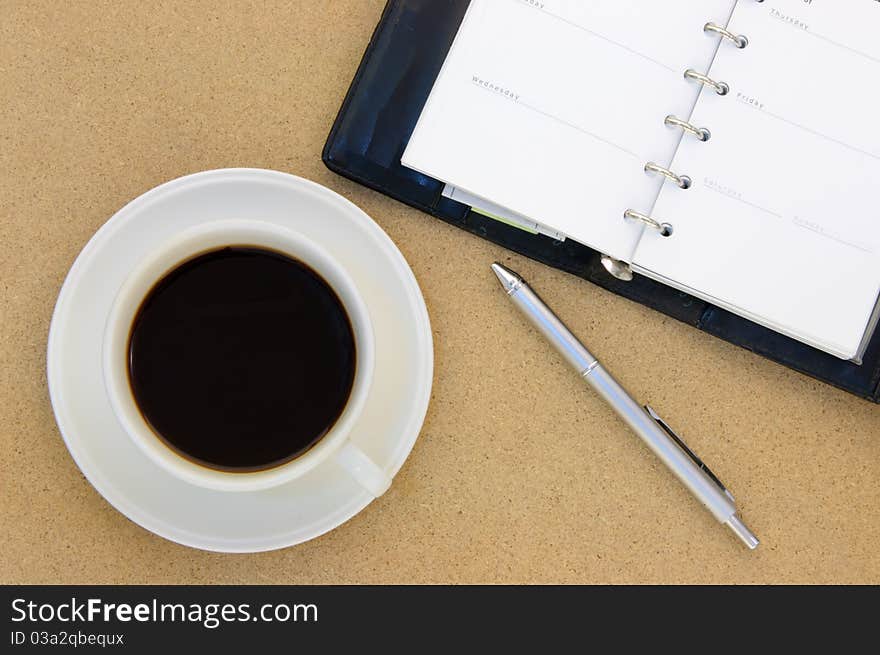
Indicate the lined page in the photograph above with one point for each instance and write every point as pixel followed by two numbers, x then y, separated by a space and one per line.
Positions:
pixel 782 224
pixel 551 108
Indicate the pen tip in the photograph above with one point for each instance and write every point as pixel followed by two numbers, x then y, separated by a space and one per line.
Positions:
pixel 506 277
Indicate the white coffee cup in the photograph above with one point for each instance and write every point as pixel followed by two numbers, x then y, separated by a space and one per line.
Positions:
pixel 336 444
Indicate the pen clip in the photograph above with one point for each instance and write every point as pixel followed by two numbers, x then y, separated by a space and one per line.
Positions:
pixel 690 453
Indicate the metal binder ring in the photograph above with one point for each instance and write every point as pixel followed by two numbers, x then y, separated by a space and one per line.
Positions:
pixel 739 40
pixel 683 181
pixel 702 133
pixel 721 88
pixel 665 229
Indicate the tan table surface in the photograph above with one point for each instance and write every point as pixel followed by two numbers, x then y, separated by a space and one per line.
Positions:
pixel 520 474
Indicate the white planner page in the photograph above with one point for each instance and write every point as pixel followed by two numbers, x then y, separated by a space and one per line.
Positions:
pixel 782 223
pixel 551 108
pixel 499 213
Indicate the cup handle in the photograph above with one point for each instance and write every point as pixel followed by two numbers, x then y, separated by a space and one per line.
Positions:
pixel 363 469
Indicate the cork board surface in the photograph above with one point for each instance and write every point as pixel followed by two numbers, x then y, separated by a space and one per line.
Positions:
pixel 520 474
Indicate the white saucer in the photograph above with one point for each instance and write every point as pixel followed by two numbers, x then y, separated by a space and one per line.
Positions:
pixel 223 521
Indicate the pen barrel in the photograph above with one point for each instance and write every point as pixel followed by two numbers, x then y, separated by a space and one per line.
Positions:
pixel 638 419
pixel 549 325
pixel 643 424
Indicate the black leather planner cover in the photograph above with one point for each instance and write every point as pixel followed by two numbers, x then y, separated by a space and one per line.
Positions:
pixel 375 123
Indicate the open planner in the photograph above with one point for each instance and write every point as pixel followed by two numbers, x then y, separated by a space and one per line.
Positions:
pixel 726 148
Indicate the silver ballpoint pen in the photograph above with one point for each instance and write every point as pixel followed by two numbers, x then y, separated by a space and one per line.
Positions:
pixel 644 421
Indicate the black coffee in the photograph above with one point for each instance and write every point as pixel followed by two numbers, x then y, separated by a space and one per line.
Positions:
pixel 241 359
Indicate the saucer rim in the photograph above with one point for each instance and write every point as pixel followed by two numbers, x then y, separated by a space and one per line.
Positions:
pixel 148 520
